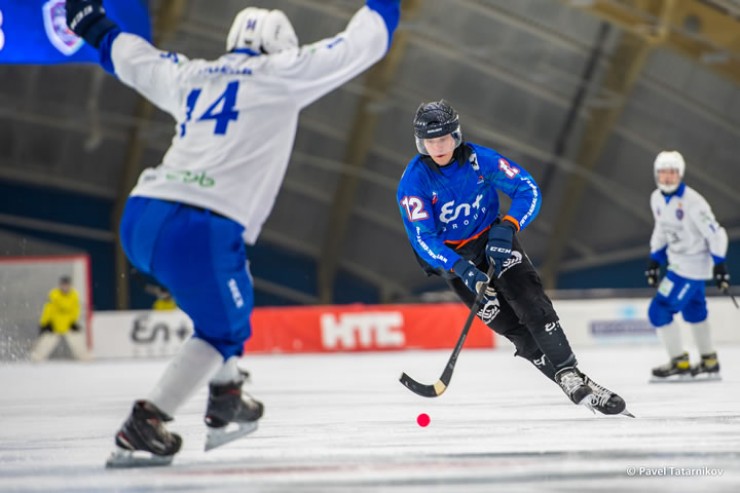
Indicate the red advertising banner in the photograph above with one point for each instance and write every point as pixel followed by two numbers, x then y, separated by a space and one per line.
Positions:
pixel 363 328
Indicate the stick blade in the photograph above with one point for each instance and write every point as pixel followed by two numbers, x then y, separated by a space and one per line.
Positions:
pixel 422 389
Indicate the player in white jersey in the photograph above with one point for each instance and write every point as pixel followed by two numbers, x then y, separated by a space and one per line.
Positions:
pixel 689 240
pixel 187 220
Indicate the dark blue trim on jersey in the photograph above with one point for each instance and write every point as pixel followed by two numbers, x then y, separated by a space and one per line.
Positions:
pixel 717 259
pixel 106 45
pixel 246 51
pixel 390 11
pixel 678 192
pixel 660 256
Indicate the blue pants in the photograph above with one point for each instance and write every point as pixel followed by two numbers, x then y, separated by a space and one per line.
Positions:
pixel 677 294
pixel 200 258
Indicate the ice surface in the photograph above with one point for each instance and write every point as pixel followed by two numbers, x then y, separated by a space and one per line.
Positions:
pixel 343 423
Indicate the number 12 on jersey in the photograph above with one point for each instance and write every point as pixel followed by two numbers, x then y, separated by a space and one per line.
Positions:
pixel 414 208
pixel 222 110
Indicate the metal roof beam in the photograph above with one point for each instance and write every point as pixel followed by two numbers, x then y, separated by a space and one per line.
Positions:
pixel 697 29
pixel 167 21
pixel 627 62
pixel 378 82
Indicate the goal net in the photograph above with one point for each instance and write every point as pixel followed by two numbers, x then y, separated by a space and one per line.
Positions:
pixel 25 283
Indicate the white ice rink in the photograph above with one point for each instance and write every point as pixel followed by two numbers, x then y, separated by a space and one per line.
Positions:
pixel 343 423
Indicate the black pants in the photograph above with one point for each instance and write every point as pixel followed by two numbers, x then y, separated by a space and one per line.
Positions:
pixel 520 310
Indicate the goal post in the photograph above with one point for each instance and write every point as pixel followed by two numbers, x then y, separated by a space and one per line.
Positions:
pixel 25 283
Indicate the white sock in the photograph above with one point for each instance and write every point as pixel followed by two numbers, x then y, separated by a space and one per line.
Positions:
pixel 671 336
pixel 702 337
pixel 191 367
pixel 228 372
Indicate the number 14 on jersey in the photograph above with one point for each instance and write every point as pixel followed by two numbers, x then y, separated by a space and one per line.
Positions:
pixel 222 110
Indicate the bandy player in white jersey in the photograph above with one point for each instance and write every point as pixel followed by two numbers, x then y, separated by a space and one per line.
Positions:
pixel 186 221
pixel 689 240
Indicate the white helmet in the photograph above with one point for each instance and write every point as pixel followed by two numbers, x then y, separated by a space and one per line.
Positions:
pixel 262 31
pixel 669 160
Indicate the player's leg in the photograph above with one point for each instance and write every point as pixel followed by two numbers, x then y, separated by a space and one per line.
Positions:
pixel 670 298
pixel 77 342
pixel 44 345
pixel 696 315
pixel 498 315
pixel 216 292
pixel 199 256
pixel 141 229
pixel 520 287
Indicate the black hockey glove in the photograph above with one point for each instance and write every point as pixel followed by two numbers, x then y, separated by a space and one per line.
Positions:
pixel 721 276
pixel 87 19
pixel 652 272
pixel 473 278
pixel 498 248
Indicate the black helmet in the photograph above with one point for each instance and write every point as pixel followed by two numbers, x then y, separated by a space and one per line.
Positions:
pixel 436 119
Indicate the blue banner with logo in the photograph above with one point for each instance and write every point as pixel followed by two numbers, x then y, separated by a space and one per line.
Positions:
pixel 36 32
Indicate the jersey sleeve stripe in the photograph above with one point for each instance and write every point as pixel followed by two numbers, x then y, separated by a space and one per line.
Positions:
pixel 512 220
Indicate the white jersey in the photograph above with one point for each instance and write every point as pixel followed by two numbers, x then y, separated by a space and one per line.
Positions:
pixel 236 116
pixel 686 225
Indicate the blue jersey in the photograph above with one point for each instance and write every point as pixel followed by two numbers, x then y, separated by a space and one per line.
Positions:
pixel 446 207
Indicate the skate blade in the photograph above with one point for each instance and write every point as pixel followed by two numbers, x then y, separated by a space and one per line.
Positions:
pixel 122 458
pixel 701 377
pixel 217 437
pixel 588 403
pixel 627 413
pixel 707 377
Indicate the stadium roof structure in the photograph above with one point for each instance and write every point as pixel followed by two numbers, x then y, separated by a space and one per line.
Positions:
pixel 582 93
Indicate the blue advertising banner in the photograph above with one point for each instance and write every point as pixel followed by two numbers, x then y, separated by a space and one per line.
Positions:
pixel 35 31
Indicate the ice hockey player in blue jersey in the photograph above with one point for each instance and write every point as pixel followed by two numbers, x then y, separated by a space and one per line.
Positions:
pixel 691 243
pixel 187 220
pixel 448 198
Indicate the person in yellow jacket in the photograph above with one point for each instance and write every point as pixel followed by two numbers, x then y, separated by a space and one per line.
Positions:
pixel 59 320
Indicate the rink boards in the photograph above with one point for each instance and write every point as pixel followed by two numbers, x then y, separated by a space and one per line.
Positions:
pixel 359 328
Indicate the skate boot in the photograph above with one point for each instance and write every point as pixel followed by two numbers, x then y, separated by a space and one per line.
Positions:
pixel 708 368
pixel 143 440
pixel 604 400
pixel 228 405
pixel 676 370
pixel 572 383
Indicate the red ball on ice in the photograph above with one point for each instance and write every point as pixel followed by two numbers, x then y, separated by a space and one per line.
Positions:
pixel 423 419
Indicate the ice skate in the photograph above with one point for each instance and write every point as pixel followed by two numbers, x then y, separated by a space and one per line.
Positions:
pixel 231 414
pixel 707 369
pixel 605 401
pixel 572 383
pixel 676 370
pixel 143 440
